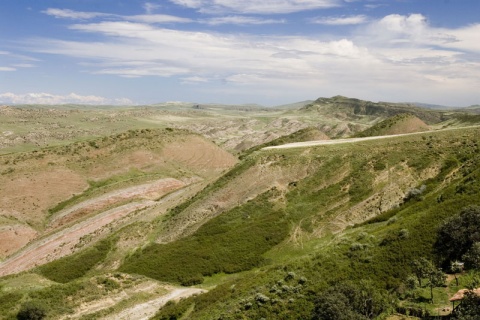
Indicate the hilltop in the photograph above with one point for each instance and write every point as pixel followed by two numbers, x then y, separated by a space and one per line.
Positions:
pixel 397 124
pixel 234 128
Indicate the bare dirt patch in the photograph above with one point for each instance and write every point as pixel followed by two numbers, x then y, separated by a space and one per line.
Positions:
pixel 148 191
pixel 24 195
pixel 148 309
pixel 63 243
pixel 14 237
pixel 200 154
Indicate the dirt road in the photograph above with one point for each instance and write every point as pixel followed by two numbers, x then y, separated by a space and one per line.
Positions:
pixel 148 309
pixel 329 142
pixel 351 140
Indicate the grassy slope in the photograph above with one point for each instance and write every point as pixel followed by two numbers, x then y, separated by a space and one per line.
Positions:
pixel 400 123
pixel 380 251
pixel 345 174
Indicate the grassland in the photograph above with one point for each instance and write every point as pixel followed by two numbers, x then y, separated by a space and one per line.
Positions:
pixel 269 237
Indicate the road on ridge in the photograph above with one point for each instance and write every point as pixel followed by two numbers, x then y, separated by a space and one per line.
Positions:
pixel 306 144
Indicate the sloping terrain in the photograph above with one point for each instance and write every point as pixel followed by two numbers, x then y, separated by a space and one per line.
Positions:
pixel 234 128
pixel 45 191
pixel 110 227
pixel 360 214
pixel 398 124
pixel 350 108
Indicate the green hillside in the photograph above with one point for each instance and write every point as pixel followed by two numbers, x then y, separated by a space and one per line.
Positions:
pixel 374 257
pixel 335 231
pixel 398 124
pixel 356 108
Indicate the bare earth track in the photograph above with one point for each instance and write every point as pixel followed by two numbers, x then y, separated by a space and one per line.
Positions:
pixel 348 140
pixel 63 242
pixel 148 309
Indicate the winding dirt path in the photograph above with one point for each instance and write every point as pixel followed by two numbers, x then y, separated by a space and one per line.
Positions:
pixel 146 310
pixel 63 242
pixel 306 144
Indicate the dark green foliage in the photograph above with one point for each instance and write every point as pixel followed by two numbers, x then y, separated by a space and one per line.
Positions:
pixel 231 242
pixel 472 257
pixel 75 266
pixel 32 310
pixel 8 301
pixel 469 309
pixel 350 301
pixel 172 311
pixel 58 299
pixel 458 234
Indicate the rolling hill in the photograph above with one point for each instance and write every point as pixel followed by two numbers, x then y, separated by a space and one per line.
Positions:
pixel 115 226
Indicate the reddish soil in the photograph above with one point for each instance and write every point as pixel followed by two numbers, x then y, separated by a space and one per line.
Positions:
pixel 65 241
pixel 14 237
pixel 149 191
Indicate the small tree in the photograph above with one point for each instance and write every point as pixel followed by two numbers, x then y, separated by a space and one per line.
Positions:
pixel 458 235
pixel 420 268
pixel 436 278
pixel 469 309
pixel 31 310
pixel 424 268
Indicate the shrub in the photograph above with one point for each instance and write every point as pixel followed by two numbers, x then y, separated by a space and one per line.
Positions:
pixel 415 193
pixel 457 235
pixel 32 310
pixel 77 265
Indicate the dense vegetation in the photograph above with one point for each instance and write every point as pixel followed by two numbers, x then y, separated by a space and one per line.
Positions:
pixel 300 256
pixel 382 251
pixel 232 242
pixel 77 265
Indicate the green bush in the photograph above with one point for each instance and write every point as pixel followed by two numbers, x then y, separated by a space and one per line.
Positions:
pixel 77 265
pixel 231 242
pixel 32 310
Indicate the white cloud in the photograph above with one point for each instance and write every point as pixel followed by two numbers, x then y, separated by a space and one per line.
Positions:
pixel 466 38
pixel 145 18
pixel 255 6
pixel 7 69
pixel 396 56
pixel 194 80
pixel 47 98
pixel 157 18
pixel 139 49
pixel 241 20
pixel 338 21
pixel 76 15
pixel 23 65
pixel 150 7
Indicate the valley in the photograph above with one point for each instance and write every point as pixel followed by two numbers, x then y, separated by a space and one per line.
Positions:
pixel 241 211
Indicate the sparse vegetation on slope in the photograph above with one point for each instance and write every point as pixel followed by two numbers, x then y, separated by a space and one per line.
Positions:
pixel 313 230
pixel 380 251
pixel 232 242
pixel 398 124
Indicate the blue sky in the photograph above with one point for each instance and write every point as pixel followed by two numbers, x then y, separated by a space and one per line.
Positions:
pixel 269 52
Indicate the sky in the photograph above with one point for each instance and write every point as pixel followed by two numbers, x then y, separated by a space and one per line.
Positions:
pixel 267 52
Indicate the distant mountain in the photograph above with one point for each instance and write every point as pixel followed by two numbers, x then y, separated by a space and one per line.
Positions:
pixel 293 106
pixel 472 109
pixel 353 108
pixel 432 106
